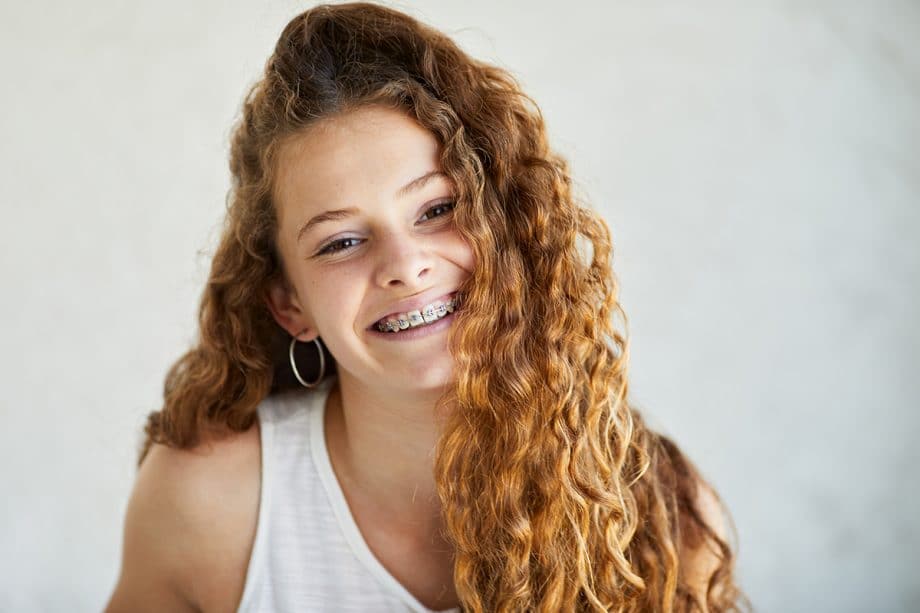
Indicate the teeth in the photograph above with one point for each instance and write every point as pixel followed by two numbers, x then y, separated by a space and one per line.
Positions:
pixel 425 315
pixel 415 318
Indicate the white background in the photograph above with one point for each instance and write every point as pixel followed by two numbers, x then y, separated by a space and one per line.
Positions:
pixel 758 164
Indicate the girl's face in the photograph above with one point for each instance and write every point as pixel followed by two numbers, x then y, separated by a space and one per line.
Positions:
pixel 366 234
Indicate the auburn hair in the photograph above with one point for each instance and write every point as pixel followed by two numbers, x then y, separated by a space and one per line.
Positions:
pixel 555 494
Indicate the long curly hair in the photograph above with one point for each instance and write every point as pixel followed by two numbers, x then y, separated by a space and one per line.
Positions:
pixel 555 494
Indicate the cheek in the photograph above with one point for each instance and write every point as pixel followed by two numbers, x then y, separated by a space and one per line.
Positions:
pixel 461 253
pixel 335 298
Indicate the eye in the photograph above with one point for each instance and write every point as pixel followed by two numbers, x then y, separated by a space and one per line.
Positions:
pixel 438 210
pixel 337 245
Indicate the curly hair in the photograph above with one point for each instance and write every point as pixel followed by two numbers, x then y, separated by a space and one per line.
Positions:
pixel 582 506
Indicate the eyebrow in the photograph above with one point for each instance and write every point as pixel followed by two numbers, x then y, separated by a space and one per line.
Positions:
pixel 337 214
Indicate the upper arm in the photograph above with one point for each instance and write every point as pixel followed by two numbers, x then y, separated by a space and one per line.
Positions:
pixel 701 557
pixel 155 540
pixel 189 528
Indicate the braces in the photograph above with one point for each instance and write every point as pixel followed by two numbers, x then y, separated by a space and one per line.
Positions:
pixel 426 315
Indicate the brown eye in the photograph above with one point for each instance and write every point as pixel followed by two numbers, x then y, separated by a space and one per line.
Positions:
pixel 438 210
pixel 339 245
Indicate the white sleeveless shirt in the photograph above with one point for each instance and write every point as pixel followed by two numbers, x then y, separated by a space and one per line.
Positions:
pixel 309 555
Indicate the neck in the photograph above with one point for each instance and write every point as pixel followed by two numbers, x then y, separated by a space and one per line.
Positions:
pixel 381 443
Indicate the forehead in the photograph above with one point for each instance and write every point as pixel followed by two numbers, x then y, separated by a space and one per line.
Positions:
pixel 351 160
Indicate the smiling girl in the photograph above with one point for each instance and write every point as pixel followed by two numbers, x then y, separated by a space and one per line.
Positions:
pixel 408 391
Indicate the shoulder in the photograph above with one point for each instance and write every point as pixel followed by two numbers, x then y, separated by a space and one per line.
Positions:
pixel 700 554
pixel 190 524
pixel 702 525
pixel 704 548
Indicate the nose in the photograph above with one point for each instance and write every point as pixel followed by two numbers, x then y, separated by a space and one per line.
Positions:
pixel 403 261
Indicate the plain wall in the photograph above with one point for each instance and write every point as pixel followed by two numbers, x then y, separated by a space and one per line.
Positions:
pixel 758 166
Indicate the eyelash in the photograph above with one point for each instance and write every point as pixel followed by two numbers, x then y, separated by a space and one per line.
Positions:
pixel 328 249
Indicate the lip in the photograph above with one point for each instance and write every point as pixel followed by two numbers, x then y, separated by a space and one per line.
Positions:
pixel 411 304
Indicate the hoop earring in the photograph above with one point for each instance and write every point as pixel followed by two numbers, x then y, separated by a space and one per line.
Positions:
pixel 322 363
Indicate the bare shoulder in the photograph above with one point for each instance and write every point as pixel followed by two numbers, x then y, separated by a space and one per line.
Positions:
pixel 701 556
pixel 190 525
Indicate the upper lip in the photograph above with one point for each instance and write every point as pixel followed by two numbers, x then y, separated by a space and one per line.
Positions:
pixel 413 303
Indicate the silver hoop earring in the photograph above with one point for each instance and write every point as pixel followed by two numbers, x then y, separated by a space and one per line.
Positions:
pixel 322 363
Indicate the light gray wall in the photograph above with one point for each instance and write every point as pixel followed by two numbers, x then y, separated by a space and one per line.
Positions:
pixel 757 162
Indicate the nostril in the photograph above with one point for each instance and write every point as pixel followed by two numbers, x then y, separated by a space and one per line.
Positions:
pixel 403 264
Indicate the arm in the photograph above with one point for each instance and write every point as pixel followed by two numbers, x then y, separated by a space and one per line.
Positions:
pixel 154 550
pixel 189 528
pixel 702 557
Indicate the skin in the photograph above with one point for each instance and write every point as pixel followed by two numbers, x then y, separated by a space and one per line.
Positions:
pixel 381 425
pixel 191 519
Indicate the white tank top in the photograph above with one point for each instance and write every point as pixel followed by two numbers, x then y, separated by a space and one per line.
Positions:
pixel 309 554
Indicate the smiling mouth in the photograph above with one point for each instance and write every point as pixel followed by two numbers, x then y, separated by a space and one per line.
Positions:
pixel 424 316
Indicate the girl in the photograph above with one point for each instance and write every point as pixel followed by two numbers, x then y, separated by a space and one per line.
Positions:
pixel 408 393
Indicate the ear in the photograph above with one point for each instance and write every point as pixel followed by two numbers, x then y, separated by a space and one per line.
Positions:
pixel 285 306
